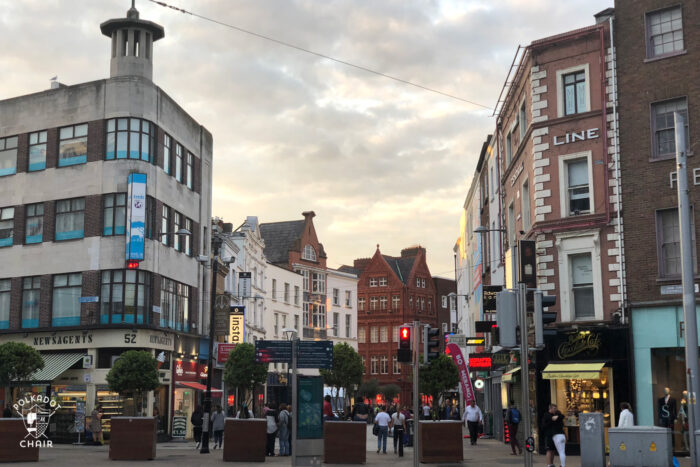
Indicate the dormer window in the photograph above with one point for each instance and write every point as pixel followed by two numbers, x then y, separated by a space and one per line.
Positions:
pixel 309 253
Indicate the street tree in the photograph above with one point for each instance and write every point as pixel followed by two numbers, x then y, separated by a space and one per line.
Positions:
pixel 242 372
pixel 346 373
pixel 17 362
pixel 134 374
pixel 389 391
pixel 368 389
pixel 439 376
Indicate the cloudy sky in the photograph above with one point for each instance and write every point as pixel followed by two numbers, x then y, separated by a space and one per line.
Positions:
pixel 379 162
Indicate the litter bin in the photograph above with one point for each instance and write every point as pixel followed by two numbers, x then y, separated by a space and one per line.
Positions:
pixel 649 446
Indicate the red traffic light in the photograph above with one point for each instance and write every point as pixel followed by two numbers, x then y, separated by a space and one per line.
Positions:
pixel 132 264
pixel 405 333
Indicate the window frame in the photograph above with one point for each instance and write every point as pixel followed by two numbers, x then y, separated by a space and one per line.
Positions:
pixel 71 234
pixel 165 215
pixel 660 258
pixel 648 36
pixel 7 218
pixel 654 130
pixel 5 299
pixel 66 319
pixel 348 326
pixel 189 176
pixel 167 154
pixel 178 162
pixel 34 288
pixel 114 208
pixel 574 243
pixel 28 218
pixel 561 104
pixel 336 297
pixel 143 133
pixel 142 289
pixel 525 207
pixel 309 253
pixel 9 146
pixel 564 188
pixel 76 159
pixel 41 138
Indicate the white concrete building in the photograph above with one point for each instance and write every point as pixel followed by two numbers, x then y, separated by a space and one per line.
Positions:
pixel 341 303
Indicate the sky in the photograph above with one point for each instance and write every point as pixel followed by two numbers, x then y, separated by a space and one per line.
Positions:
pixel 378 161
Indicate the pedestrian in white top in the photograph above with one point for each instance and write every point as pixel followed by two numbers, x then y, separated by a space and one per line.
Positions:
pixel 383 420
pixel 426 412
pixel 626 416
pixel 474 418
pixel 398 421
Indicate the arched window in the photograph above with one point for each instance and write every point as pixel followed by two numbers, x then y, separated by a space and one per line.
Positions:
pixel 309 253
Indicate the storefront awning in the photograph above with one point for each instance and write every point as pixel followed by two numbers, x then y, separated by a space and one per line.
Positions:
pixel 54 365
pixel 572 370
pixel 507 377
pixel 198 386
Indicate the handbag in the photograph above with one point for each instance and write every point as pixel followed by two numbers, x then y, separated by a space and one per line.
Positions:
pixel 375 430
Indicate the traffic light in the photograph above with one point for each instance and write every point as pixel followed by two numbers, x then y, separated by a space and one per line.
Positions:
pixel 507 318
pixel 405 345
pixel 431 344
pixel 528 263
pixel 542 317
pixel 530 444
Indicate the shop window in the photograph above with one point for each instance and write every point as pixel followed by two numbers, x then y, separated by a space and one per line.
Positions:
pixel 70 217
pixel 72 146
pixel 8 156
pixel 114 217
pixel 5 289
pixel 664 127
pixel 669 394
pixel 125 297
pixel 37 151
pixel 130 138
pixel 7 226
pixel 31 294
pixel 582 285
pixel 113 405
pixel 34 223
pixel 67 290
pixel 664 32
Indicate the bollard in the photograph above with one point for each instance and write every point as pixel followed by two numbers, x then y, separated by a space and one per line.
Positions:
pixel 592 432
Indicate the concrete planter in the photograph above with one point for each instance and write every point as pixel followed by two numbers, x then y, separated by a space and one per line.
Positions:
pixel 12 432
pixel 132 438
pixel 344 442
pixel 245 440
pixel 440 441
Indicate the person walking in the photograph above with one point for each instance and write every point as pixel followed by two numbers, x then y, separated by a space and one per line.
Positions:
pixel 554 438
pixel 426 412
pixel 218 420
pixel 383 421
pixel 197 420
pixel 96 424
pixel 474 418
pixel 513 419
pixel 283 430
pixel 626 415
pixel 271 416
pixel 398 421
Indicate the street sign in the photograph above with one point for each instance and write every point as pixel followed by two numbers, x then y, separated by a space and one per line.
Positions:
pixel 244 284
pixel 458 339
pixel 273 351
pixel 315 354
pixel 88 299
pixel 310 410
pixel 489 299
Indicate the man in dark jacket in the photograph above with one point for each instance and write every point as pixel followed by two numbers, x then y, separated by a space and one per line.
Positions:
pixel 554 438
pixel 197 420
pixel 513 420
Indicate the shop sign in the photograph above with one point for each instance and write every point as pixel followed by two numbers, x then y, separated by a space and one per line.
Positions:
pixel 222 351
pixel 490 292
pixel 572 137
pixel 500 359
pixel 189 371
pixel 516 174
pixel 179 427
pixel 580 342
pixel 136 216
pixel 236 325
pixel 65 340
pixel 480 361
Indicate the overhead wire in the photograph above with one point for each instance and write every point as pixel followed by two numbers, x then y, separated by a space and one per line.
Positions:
pixel 318 54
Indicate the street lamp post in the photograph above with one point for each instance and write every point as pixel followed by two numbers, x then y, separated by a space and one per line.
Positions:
pixel 293 335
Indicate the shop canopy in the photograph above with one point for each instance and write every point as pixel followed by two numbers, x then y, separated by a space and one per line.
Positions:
pixel 54 365
pixel 507 377
pixel 198 386
pixel 573 370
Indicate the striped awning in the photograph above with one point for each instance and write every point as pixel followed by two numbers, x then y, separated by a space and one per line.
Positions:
pixel 573 370
pixel 54 365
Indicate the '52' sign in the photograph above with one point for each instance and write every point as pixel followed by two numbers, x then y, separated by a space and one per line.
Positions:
pixel 130 338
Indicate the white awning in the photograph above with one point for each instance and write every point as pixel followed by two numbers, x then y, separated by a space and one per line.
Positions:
pixel 54 365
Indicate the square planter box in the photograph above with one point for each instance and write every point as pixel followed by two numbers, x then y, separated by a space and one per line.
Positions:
pixel 12 431
pixel 245 440
pixel 132 438
pixel 440 441
pixel 344 442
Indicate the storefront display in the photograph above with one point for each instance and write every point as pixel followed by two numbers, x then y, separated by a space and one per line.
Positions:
pixel 112 406
pixel 671 396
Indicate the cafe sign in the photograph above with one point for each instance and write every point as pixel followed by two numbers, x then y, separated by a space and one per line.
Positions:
pixel 583 342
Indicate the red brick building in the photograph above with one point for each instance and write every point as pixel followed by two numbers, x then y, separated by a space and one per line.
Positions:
pixel 391 291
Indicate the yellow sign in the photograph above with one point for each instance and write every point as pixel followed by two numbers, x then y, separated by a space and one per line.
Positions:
pixel 623 447
pixel 475 341
pixel 509 269
pixel 652 447
pixel 235 328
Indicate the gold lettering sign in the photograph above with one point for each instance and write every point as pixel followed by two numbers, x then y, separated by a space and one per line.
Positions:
pixel 578 343
pixel 235 328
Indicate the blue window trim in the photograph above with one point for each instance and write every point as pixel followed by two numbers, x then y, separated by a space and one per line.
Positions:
pixel 36 166
pixel 6 242
pixel 30 323
pixel 66 321
pixel 75 160
pixel 33 239
pixel 10 171
pixel 70 235
pixel 4 324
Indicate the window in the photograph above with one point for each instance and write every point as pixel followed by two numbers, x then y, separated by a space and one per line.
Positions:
pixel 175 305
pixel 664 127
pixel 72 145
pixel 509 148
pixel 582 285
pixel 296 295
pixel 274 289
pixel 277 324
pixel 374 334
pixel 37 151
pixel 383 334
pixel 453 303
pixel 523 121
pixel 305 274
pixel 430 305
pixel 190 170
pixel 395 302
pixel 395 365
pixel 336 297
pixel 373 303
pixel 383 303
pixel 178 162
pixel 70 219
pixel 31 293
pixel 664 30
pixel 373 281
pixel 395 333
pixel 125 297
pixel 67 289
pixel 444 301
pixel 5 289
pixel 284 321
pixel 577 186
pixel 417 281
pixel 164 224
pixel 668 243
pixel 373 369
pixel 309 253
pixel 525 199
pixel 336 324
pixel 7 226
pixel 348 298
pixel 422 283
pixel 410 302
pixel 318 282
pixel 361 304
pixel 384 365
pixel 296 322
pixel 34 223
pixel 318 315
pixel 177 224
pixel 8 156
pixel 167 145
pixel 382 282
pixel 129 138
pixel 114 214
pixel 422 303
pixel 361 337
pixel 348 325
pixel 188 238
pixel 286 292
pixel 575 92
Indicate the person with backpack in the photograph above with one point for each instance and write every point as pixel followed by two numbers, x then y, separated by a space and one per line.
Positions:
pixel 197 420
pixel 272 419
pixel 513 420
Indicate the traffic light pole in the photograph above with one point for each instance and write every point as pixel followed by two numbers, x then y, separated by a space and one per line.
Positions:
pixel 416 368
pixel 524 367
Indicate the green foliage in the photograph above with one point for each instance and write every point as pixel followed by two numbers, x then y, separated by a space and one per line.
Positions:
pixel 17 362
pixel 135 372
pixel 347 369
pixel 441 375
pixel 242 371
pixel 368 389
pixel 389 391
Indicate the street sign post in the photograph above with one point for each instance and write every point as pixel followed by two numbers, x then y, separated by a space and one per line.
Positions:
pixel 315 354
pixel 273 351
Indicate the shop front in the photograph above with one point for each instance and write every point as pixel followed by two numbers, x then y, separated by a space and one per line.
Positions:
pixel 584 370
pixel 189 389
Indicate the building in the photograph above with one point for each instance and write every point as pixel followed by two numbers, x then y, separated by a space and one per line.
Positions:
pixel 446 305
pixel 656 43
pixel 99 179
pixel 342 307
pixel 391 291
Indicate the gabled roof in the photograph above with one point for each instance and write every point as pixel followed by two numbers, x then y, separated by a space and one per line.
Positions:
pixel 402 266
pixel 350 270
pixel 279 238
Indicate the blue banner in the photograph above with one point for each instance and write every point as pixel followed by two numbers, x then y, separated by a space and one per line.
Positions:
pixel 136 217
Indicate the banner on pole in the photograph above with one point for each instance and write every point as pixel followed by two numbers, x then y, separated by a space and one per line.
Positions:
pixel 458 358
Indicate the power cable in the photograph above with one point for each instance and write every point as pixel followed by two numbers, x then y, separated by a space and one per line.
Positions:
pixel 302 49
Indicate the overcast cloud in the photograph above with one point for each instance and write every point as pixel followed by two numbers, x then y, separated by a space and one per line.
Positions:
pixel 377 160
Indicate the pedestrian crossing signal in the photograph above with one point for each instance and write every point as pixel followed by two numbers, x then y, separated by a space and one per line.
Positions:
pixel 530 444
